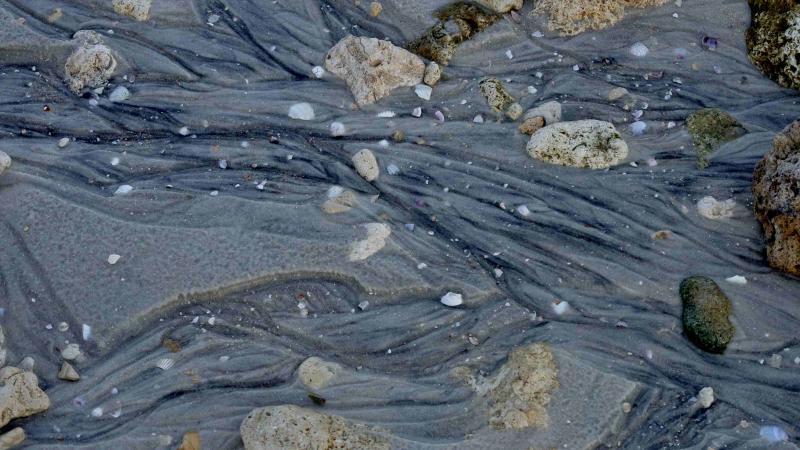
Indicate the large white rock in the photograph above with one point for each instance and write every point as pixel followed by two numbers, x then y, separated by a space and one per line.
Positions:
pixel 91 64
pixel 501 6
pixel 20 395
pixel 584 143
pixel 289 427
pixel 373 68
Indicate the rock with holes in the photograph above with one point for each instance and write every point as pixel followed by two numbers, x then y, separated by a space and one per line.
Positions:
pixel 377 235
pixel 315 373
pixel 91 64
pixel 373 68
pixel 776 191
pixel 20 395
pixel 289 427
pixel 705 314
pixel 137 9
pixel 594 144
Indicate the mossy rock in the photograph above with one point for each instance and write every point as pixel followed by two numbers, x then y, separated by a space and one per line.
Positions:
pixel 457 23
pixel 710 128
pixel 773 40
pixel 705 314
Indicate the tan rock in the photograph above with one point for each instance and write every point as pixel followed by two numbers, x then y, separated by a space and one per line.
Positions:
pixel 20 395
pixel 190 441
pixel 496 95
pixel 433 73
pixel 501 6
pixel 91 64
pixel 366 165
pixel 68 373
pixel 373 68
pixel 617 93
pixel 340 203
pixel 315 373
pixel 377 235
pixel 12 438
pixel 289 427
pixel 529 126
pixel 777 199
pixel 584 143
pixel 138 9
pixel 375 9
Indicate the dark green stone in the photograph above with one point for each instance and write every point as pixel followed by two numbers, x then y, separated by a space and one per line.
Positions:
pixel 705 314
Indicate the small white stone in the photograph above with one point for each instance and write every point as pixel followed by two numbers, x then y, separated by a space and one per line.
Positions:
pixel 478 119
pixel 423 91
pixel 509 54
pixel 736 279
pixel 318 71
pixel 97 412
pixel 183 131
pixel 711 208
pixel 639 50
pixel 523 210
pixel 113 258
pixel 86 332
pixel 337 129
pixel 366 165
pixel 114 161
pixel 124 189
pixel 71 352
pixel 638 127
pixel 301 111
pixel 706 397
pixel 392 169
pixel 387 114
pixel 560 307
pixel 63 142
pixel 532 90
pixel 498 273
pixel 452 299
pixel 120 94
pixel 417 112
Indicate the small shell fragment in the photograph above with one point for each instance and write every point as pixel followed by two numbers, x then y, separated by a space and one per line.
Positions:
pixel 165 363
pixel 452 299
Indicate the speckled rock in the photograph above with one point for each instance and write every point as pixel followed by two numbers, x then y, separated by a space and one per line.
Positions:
pixel 315 373
pixel 584 143
pixel 776 192
pixel 705 314
pixel 710 128
pixel 91 64
pixel 340 203
pixel 440 42
pixel 373 68
pixel 500 6
pixel 433 73
pixel 498 98
pixel 366 165
pixel 773 40
pixel 5 162
pixel 531 125
pixel 137 9
pixel 289 427
pixel 20 395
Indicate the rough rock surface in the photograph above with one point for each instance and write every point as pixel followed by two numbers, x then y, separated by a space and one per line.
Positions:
pixel 501 6
pixel 776 191
pixel 457 23
pixel 68 373
pixel 289 427
pixel 584 143
pixel 91 64
pixel 138 9
pixel 714 209
pixel 705 314
pixel 522 388
pixel 340 203
pixel 433 73
pixel 710 128
pixel 373 68
pixel 576 16
pixel 773 40
pixel 366 165
pixel 12 438
pixel 5 162
pixel 498 97
pixel 550 112
pixel 315 373
pixel 531 125
pixel 20 395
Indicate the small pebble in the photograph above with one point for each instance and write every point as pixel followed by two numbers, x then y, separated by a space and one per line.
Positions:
pixel 63 142
pixel 375 9
pixel 120 94
pixel 337 129
pixel 423 91
pixel 452 299
pixel 706 397
pixel 639 50
pixel 301 111
pixel 113 259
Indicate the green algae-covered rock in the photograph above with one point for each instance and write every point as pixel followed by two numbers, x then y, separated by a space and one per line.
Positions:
pixel 457 23
pixel 709 128
pixel 705 314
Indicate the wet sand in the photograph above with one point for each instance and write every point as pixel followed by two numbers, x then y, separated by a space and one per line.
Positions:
pixel 218 260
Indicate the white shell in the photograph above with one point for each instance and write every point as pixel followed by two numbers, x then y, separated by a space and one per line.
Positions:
pixel 165 363
pixel 452 299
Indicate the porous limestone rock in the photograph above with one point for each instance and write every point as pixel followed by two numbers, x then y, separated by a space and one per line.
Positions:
pixel 433 73
pixel 138 9
pixel 377 234
pixel 366 165
pixel 500 6
pixel 11 439
pixel 20 395
pixel 373 68
pixel 773 40
pixel 584 143
pixel 91 64
pixel 709 129
pixel 289 427
pixel 576 16
pixel 776 192
pixel 456 23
